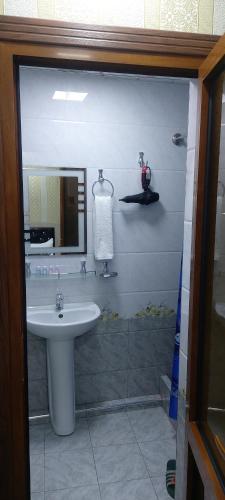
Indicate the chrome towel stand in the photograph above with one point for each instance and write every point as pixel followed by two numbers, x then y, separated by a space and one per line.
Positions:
pixel 100 180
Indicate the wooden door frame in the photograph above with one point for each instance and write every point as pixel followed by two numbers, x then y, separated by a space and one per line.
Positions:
pixel 196 443
pixel 58 44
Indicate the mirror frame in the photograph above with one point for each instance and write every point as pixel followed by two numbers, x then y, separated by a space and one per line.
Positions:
pixel 57 250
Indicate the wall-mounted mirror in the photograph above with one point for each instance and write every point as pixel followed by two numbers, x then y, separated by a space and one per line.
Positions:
pixel 55 218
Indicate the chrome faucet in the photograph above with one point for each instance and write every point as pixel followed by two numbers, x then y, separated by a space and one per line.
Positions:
pixel 59 300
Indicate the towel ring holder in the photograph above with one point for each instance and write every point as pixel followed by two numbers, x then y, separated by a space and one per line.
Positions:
pixel 100 180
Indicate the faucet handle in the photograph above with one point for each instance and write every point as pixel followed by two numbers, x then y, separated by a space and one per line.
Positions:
pixel 83 266
pixel 59 300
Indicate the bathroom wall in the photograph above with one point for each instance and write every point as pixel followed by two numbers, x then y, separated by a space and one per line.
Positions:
pixel 120 117
pixel 188 214
pixel 198 16
pixel 115 361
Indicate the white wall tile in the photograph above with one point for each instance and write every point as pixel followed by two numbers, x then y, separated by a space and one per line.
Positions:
pixel 126 304
pixel 192 114
pixel 189 192
pixel 120 117
pixel 113 145
pixel 188 214
pixel 187 254
pixel 184 321
pixel 155 271
pixel 189 186
pixel 129 182
pixel 137 272
pixel 183 374
pixel 111 98
pixel 144 231
pixel 187 238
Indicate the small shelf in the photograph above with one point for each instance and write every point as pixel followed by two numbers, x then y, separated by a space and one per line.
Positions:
pixel 61 276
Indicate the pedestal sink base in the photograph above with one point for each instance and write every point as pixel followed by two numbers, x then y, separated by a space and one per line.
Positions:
pixel 61 385
pixel 60 329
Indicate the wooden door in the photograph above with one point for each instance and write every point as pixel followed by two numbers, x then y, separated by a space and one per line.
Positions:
pixel 66 45
pixel 69 211
pixel 206 384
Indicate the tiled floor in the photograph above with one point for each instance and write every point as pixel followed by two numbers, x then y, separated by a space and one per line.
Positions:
pixel 118 456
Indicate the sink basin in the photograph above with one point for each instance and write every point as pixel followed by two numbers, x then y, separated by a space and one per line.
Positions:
pixel 60 328
pixel 73 320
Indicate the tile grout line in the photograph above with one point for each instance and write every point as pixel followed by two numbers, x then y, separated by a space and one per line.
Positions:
pixel 144 460
pixel 87 448
pixel 137 441
pixel 44 459
pixel 92 448
pixel 104 124
pixel 88 426
pixel 127 370
pixel 142 457
pixel 150 477
pixel 121 444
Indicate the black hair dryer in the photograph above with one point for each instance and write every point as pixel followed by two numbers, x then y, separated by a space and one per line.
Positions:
pixel 147 196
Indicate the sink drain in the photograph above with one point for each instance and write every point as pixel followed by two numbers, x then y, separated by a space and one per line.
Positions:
pixel 60 316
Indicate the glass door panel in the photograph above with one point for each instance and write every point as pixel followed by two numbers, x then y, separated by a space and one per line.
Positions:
pixel 212 398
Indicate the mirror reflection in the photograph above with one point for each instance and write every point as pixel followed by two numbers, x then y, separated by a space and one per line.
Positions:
pixel 54 210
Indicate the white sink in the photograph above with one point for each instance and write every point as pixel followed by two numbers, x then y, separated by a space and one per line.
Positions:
pixel 73 320
pixel 60 328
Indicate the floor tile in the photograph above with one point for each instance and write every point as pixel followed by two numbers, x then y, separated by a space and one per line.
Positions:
pixel 140 489
pixel 159 484
pixel 69 469
pixel 157 453
pixel 80 439
pixel 38 496
pixel 111 429
pixel 150 424
pixel 36 436
pixel 119 463
pixel 80 493
pixel 37 472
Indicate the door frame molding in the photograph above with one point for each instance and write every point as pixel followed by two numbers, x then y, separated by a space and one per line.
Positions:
pixel 197 445
pixel 55 44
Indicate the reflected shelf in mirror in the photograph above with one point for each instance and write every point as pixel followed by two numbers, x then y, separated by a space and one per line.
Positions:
pixel 62 276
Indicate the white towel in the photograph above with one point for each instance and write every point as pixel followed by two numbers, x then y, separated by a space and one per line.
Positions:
pixel 102 225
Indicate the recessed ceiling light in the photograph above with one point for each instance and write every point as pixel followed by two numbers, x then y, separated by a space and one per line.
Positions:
pixel 61 95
